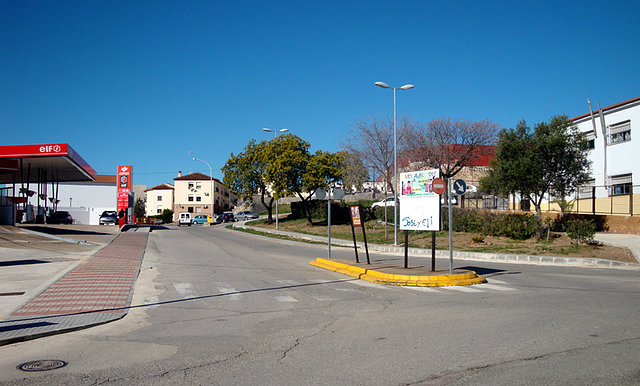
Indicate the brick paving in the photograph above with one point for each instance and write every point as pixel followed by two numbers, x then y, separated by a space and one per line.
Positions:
pixel 97 291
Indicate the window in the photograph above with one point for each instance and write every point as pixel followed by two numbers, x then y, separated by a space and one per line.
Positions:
pixel 586 190
pixel 198 185
pixel 190 209
pixel 217 189
pixel 621 184
pixel 159 209
pixel 198 210
pixel 190 185
pixel 159 198
pixel 198 198
pixel 190 199
pixel 620 132
pixel 591 139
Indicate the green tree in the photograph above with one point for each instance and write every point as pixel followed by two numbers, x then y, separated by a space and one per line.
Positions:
pixel 245 174
pixel 293 170
pixel 550 160
pixel 139 209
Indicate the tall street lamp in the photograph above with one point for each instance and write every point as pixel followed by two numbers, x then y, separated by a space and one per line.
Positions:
pixel 211 177
pixel 275 134
pixel 395 157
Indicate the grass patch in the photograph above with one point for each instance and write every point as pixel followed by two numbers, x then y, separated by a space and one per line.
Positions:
pixel 559 245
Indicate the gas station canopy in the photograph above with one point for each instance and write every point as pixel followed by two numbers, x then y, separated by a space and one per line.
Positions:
pixel 40 163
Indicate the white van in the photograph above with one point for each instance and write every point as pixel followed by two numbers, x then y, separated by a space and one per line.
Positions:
pixel 184 218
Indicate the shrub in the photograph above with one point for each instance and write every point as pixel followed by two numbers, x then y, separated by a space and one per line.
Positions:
pixel 581 230
pixel 514 226
pixel 167 216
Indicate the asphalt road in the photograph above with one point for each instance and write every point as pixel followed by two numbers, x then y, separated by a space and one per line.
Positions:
pixel 214 306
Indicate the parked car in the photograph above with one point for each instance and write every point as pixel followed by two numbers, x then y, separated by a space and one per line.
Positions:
pixel 184 218
pixel 226 217
pixel 200 219
pixel 60 217
pixel 245 215
pixel 454 200
pixel 389 202
pixel 109 217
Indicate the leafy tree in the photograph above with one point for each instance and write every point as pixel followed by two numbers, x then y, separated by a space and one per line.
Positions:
pixel 167 216
pixel 550 160
pixel 139 210
pixel 245 174
pixel 450 145
pixel 354 172
pixel 293 170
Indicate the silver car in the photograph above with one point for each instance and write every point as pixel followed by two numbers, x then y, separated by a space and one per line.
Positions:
pixel 245 215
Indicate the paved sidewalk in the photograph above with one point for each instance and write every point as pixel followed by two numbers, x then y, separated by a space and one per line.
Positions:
pixel 96 291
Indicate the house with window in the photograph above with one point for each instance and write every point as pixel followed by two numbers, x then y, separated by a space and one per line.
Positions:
pixel 195 192
pixel 159 198
pixel 614 144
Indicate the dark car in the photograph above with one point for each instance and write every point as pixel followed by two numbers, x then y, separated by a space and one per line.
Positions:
pixel 109 217
pixel 225 217
pixel 60 217
pixel 246 215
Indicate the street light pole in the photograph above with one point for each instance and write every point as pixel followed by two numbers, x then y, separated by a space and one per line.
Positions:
pixel 395 157
pixel 211 177
pixel 275 134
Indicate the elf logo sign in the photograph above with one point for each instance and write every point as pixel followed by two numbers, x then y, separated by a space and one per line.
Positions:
pixel 50 149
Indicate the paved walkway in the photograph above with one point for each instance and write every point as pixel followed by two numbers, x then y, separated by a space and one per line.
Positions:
pixel 96 291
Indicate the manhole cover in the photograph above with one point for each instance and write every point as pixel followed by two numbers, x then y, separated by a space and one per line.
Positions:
pixel 42 365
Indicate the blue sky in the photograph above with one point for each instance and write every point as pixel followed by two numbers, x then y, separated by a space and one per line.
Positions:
pixel 145 82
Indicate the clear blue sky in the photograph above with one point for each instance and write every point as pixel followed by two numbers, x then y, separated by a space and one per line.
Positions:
pixel 145 82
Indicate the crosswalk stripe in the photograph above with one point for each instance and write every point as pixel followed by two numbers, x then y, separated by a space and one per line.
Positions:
pixel 226 288
pixel 185 290
pixel 495 287
pixel 422 289
pixel 286 299
pixel 461 289
pixel 495 281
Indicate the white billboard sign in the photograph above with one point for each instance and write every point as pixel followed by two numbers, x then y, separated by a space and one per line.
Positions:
pixel 420 213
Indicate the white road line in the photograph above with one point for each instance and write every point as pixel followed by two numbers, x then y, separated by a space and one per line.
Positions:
pixel 288 282
pixel 495 287
pixel 495 281
pixel 226 288
pixel 422 289
pixel 185 290
pixel 461 289
pixel 286 299
pixel 369 284
pixel 153 300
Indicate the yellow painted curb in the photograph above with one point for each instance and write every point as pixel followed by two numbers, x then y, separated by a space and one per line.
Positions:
pixel 467 278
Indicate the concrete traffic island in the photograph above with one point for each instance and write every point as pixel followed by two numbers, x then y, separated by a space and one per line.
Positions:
pixel 385 274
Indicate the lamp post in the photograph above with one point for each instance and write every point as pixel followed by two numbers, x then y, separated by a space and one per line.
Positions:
pixel 211 177
pixel 275 134
pixel 395 157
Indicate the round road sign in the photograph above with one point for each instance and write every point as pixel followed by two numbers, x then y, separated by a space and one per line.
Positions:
pixel 438 186
pixel 459 186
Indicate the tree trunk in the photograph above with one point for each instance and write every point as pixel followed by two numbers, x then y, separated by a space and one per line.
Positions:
pixel 269 207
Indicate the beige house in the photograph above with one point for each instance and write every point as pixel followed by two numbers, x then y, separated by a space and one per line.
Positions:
pixel 193 194
pixel 159 198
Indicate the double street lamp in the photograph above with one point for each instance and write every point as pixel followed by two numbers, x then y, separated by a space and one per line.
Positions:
pixel 211 177
pixel 275 134
pixel 395 157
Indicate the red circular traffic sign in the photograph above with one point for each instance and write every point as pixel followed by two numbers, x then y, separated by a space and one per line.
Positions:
pixel 438 186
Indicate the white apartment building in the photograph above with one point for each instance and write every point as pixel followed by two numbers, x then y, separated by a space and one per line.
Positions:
pixel 615 157
pixel 193 194
pixel 159 198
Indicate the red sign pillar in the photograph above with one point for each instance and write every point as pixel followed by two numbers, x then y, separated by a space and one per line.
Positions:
pixel 124 188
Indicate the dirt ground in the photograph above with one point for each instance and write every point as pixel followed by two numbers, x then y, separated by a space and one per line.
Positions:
pixel 559 244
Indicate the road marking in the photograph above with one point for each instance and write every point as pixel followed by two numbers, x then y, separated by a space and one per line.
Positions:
pixel 461 289
pixel 286 299
pixel 226 288
pixel 288 282
pixel 152 300
pixel 422 289
pixel 495 287
pixel 185 290
pixel 369 284
pixel 495 281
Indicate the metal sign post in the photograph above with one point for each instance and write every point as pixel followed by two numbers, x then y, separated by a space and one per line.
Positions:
pixel 450 225
pixel 356 221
